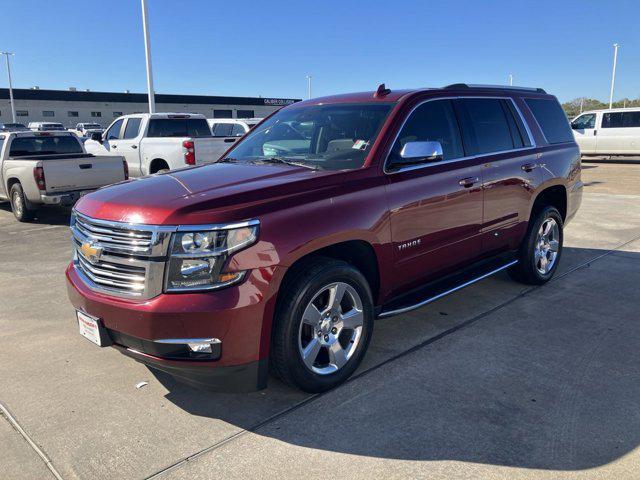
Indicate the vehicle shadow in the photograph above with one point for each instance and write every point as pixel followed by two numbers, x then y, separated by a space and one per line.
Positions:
pixel 549 381
pixel 46 215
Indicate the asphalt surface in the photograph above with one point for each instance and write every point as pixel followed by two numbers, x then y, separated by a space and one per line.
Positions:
pixel 499 380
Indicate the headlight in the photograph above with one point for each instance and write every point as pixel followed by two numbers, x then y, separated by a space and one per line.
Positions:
pixel 197 258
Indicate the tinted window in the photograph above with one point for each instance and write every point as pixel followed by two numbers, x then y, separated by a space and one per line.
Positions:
pixel 72 114
pixel 489 123
pixel 432 121
pixel 1 143
pixel 47 113
pixel 114 131
pixel 222 129
pixel 631 119
pixel 222 114
pixel 132 128
pixel 245 114
pixel 552 120
pixel 21 146
pixel 237 130
pixel 179 127
pixel 526 141
pixel 588 120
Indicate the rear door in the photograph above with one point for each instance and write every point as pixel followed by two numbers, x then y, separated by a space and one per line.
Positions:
pixel 222 138
pixel 499 138
pixel 585 132
pixel 620 133
pixel 129 144
pixel 435 207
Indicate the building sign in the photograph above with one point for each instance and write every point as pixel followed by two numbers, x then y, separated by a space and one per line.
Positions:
pixel 278 101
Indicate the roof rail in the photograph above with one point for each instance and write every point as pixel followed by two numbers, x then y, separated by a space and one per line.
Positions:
pixel 462 86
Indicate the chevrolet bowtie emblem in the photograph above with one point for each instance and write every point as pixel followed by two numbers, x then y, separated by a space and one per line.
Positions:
pixel 91 252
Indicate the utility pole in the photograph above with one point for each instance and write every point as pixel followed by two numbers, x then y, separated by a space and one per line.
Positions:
pixel 13 105
pixel 147 53
pixel 613 74
pixel 581 104
pixel 309 77
pixel 510 80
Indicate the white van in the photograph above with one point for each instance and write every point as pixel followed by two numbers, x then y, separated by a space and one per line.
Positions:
pixel 613 132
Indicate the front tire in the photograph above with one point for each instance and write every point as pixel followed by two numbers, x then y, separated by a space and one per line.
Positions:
pixel 323 326
pixel 541 248
pixel 19 204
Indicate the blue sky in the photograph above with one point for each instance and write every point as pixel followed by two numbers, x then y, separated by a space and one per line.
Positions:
pixel 268 47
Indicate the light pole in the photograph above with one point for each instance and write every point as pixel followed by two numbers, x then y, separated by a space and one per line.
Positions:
pixel 147 53
pixel 309 77
pixel 613 74
pixel 13 105
pixel 510 80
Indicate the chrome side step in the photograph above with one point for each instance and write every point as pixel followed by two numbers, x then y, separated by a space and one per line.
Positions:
pixel 428 300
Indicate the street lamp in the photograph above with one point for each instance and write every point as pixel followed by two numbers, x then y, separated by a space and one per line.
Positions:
pixel 13 105
pixel 309 77
pixel 147 53
pixel 613 75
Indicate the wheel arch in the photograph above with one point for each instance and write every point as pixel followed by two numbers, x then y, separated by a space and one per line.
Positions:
pixel 554 196
pixel 156 164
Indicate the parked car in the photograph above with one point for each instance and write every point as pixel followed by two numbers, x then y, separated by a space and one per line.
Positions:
pixel 87 129
pixel 614 132
pixel 158 142
pixel 13 127
pixel 46 127
pixel 333 212
pixel 227 130
pixel 51 168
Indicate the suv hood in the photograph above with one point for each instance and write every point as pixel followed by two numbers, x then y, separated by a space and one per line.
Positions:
pixel 208 194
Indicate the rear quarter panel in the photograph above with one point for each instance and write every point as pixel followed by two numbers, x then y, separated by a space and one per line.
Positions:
pixel 168 149
pixel 23 171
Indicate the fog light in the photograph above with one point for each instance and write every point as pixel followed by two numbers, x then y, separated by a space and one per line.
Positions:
pixel 200 347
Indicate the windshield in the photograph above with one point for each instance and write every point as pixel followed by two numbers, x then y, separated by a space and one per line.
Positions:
pixel 327 137
pixel 91 125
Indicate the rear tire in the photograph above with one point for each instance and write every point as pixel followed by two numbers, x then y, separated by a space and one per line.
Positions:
pixel 323 325
pixel 20 205
pixel 541 248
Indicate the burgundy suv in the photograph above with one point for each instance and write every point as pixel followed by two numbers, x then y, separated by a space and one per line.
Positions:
pixel 327 215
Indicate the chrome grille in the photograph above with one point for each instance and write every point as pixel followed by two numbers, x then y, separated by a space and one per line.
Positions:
pixel 131 258
pixel 115 238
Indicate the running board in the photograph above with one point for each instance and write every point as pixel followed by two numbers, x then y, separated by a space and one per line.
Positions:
pixel 438 294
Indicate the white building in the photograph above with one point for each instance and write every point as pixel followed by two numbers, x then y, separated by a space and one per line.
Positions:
pixel 72 106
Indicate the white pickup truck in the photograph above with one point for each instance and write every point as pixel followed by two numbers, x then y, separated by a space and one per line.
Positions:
pixel 51 168
pixel 157 142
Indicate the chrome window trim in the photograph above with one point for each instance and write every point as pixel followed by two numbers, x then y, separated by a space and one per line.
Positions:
pixel 460 159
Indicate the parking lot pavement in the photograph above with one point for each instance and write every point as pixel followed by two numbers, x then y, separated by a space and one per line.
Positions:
pixel 499 380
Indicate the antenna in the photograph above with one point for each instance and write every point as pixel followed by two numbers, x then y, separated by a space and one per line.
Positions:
pixel 382 91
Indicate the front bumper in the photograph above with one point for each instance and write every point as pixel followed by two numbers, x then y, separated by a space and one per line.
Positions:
pixel 239 316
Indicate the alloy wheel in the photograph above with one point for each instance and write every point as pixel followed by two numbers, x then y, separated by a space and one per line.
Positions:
pixel 547 246
pixel 331 328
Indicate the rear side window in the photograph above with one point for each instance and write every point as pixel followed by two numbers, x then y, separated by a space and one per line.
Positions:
pixel 179 127
pixel 222 129
pixel 432 121
pixel 133 128
pixel 489 124
pixel 621 120
pixel 237 130
pixel 551 118
pixel 23 146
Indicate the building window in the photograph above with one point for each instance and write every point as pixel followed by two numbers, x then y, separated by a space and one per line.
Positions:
pixel 96 114
pixel 22 113
pixel 117 114
pixel 72 114
pixel 223 114
pixel 245 114
pixel 48 113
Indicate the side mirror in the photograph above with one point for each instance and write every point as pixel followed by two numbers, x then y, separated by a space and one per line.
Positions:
pixel 96 136
pixel 418 152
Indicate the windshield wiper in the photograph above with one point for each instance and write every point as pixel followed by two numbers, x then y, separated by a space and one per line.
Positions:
pixel 227 160
pixel 274 159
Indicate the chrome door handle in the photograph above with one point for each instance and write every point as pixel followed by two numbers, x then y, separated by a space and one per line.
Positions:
pixel 528 167
pixel 114 146
pixel 468 182
pixel 134 146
